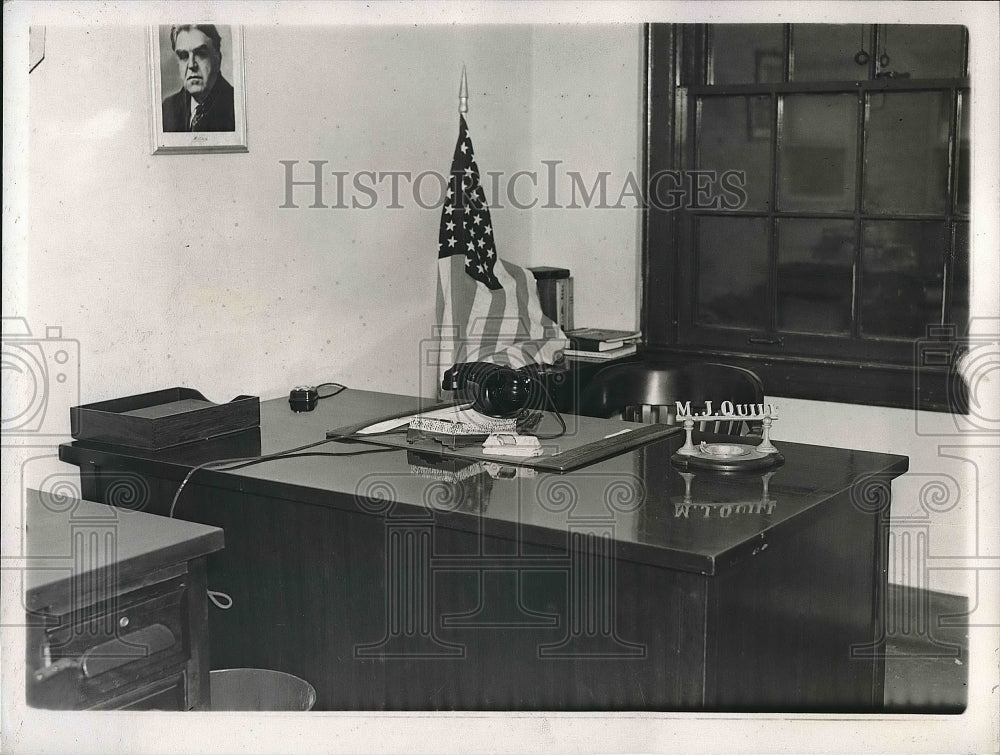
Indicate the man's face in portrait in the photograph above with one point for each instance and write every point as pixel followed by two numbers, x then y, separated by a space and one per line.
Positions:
pixel 198 61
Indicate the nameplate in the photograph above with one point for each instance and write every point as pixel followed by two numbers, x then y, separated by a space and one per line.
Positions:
pixel 727 457
pixel 727 410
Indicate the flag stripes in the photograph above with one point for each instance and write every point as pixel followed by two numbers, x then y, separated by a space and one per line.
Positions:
pixel 487 308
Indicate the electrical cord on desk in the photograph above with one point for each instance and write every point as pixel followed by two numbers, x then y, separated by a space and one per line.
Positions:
pixel 220 599
pixel 337 386
pixel 359 436
pixel 315 453
pixel 223 465
pixel 552 403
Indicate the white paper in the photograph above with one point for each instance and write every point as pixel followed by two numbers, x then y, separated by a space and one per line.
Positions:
pixel 463 413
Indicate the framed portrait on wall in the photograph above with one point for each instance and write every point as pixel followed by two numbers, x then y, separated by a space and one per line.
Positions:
pixel 197 88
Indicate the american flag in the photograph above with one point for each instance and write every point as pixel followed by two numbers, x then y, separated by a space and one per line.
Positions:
pixel 487 309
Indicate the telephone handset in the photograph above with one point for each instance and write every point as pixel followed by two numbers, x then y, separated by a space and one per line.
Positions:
pixel 496 390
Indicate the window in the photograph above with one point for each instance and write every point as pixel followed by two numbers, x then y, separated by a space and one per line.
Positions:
pixel 847 148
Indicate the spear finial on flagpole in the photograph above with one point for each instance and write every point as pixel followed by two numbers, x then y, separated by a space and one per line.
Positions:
pixel 463 94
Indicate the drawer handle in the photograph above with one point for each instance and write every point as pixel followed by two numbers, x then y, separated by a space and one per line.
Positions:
pixel 125 649
pixel 47 672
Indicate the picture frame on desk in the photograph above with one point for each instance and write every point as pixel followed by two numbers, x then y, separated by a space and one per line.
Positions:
pixel 184 60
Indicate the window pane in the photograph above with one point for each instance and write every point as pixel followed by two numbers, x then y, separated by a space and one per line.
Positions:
pixel 735 134
pixel 746 53
pixel 818 152
pixel 906 152
pixel 960 279
pixel 825 52
pixel 902 277
pixel 815 260
pixel 931 51
pixel 732 271
pixel 964 176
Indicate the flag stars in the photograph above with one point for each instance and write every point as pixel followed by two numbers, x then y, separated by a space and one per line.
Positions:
pixel 465 219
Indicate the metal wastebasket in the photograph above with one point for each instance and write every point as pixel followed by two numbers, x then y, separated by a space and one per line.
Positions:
pixel 259 689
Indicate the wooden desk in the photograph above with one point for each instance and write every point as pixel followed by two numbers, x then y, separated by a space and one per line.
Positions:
pixel 116 608
pixel 620 586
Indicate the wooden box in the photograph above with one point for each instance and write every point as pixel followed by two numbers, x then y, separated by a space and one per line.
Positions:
pixel 162 419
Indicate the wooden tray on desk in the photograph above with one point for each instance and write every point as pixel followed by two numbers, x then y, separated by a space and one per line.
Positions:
pixel 162 419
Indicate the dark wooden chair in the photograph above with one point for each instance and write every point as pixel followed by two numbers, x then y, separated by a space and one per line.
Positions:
pixel 647 392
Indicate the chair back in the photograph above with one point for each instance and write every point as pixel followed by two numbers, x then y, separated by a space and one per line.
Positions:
pixel 648 392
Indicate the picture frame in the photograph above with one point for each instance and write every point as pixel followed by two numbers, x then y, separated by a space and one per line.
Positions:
pixel 176 126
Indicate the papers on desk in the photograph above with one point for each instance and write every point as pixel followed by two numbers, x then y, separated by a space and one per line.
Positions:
pixel 453 419
pixel 385 426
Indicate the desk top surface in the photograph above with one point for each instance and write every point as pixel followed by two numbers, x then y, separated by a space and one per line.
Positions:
pixel 701 522
pixel 66 539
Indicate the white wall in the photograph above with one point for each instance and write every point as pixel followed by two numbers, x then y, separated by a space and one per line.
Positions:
pixel 182 270
pixel 587 104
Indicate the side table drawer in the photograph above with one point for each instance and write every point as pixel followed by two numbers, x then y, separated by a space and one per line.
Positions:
pixel 166 694
pixel 90 654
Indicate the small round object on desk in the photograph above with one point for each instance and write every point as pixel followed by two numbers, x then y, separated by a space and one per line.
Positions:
pixel 727 457
pixel 725 450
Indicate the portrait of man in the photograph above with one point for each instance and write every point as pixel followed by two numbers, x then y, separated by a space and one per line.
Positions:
pixel 204 101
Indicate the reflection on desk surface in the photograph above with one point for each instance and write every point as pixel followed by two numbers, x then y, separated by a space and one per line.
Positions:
pixel 687 507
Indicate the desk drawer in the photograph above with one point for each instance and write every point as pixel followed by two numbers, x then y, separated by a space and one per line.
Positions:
pixel 164 694
pixel 88 655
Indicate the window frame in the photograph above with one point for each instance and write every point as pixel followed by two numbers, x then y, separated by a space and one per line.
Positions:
pixel 870 371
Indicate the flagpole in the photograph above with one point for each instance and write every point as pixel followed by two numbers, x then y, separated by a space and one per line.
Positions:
pixel 463 94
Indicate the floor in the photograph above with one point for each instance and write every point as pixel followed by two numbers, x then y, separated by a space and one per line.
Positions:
pixel 927 665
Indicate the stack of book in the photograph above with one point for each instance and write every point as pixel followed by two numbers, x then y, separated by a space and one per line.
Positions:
pixel 601 344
